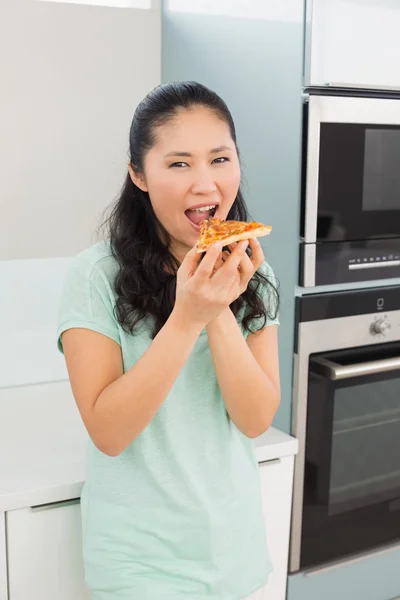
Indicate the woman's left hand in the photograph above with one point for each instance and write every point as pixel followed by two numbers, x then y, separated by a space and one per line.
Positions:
pixel 247 266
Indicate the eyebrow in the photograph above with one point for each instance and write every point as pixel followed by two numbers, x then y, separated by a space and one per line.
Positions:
pixel 188 155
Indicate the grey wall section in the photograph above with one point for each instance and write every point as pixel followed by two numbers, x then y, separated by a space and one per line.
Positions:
pixel 71 77
pixel 256 66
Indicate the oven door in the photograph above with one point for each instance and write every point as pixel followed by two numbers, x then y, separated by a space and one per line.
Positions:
pixel 352 460
pixel 352 178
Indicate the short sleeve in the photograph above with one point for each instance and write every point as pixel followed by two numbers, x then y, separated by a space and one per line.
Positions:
pixel 87 301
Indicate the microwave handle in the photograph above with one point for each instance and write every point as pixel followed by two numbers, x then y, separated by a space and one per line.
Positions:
pixel 334 371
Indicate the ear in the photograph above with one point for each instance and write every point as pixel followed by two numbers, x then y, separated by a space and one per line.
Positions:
pixel 137 178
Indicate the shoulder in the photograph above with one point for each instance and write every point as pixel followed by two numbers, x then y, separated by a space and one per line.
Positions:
pixel 95 265
pixel 88 297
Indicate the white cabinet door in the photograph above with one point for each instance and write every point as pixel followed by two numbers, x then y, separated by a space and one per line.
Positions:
pixel 44 553
pixel 276 486
pixel 353 43
pixel 3 560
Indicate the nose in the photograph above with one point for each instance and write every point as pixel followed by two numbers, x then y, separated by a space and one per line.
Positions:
pixel 203 182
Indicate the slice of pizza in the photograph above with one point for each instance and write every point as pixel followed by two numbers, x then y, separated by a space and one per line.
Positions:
pixel 214 230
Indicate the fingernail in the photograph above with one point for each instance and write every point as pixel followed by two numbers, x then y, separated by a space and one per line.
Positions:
pixel 244 244
pixel 218 245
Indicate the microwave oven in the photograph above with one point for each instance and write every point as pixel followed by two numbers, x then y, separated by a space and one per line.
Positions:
pixel 350 224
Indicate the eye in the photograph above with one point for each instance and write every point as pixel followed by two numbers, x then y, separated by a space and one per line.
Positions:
pixel 178 165
pixel 221 160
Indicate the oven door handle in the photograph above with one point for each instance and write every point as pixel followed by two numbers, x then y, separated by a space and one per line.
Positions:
pixel 334 371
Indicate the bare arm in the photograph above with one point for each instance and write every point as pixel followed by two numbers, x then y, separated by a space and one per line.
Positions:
pixel 247 372
pixel 116 407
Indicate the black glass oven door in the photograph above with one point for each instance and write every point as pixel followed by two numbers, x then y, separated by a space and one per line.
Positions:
pixel 358 182
pixel 352 460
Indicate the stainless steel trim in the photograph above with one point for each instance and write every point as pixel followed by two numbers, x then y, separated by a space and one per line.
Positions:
pixel 312 169
pixel 369 111
pixel 336 372
pixel 349 561
pixel 374 265
pixel 362 86
pixel 51 505
pixel 309 266
pixel 299 419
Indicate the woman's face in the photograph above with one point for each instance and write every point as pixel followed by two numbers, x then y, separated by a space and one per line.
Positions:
pixel 191 173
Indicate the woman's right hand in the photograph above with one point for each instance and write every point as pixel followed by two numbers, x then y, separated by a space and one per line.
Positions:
pixel 201 293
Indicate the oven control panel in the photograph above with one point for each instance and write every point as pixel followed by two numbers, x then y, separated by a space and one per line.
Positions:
pixel 347 262
pixel 353 317
pixel 380 325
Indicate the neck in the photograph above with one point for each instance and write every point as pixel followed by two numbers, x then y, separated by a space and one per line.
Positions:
pixel 179 251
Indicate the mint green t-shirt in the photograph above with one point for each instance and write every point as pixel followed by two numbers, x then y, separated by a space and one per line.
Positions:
pixel 178 513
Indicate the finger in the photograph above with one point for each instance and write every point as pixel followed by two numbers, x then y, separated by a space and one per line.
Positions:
pixel 246 270
pixel 190 262
pixel 207 265
pixel 257 254
pixel 219 263
pixel 237 254
pixel 225 255
pixel 229 269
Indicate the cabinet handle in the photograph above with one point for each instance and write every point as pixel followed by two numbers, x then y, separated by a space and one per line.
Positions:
pixel 273 461
pixel 51 505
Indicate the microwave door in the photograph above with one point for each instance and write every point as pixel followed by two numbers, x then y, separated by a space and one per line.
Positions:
pixel 352 456
pixel 352 173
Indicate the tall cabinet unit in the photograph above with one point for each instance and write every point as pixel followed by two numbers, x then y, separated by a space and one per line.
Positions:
pixel 351 56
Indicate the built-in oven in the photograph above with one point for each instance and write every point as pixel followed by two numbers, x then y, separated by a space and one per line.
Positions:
pixel 350 226
pixel 347 420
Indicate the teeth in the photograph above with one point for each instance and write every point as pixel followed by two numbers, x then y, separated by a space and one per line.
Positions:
pixel 205 208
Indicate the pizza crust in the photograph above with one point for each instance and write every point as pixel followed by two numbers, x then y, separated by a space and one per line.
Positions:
pixel 246 235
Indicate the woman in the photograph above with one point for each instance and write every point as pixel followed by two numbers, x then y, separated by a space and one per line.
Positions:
pixel 173 362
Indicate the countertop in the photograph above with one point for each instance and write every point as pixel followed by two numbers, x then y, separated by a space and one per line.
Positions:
pixel 31 479
pixel 42 453
pixel 275 444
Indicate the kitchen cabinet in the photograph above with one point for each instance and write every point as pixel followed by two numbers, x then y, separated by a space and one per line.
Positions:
pixel 3 559
pixel 44 552
pixel 352 43
pixel 44 542
pixel 42 466
pixel 276 488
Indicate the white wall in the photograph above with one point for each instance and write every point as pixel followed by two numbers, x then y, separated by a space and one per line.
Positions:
pixel 71 77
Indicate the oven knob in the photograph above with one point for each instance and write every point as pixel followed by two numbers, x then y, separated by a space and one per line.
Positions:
pixel 381 326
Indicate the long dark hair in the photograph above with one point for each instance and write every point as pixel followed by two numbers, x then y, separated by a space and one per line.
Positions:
pixel 146 283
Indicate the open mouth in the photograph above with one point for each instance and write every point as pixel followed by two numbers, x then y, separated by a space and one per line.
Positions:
pixel 201 213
